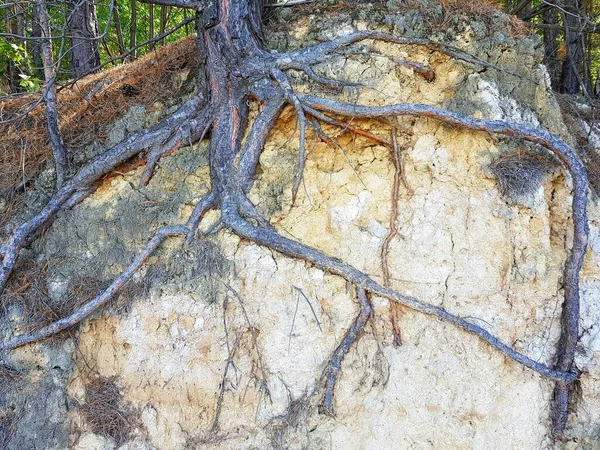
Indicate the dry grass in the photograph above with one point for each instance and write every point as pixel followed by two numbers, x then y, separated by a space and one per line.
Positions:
pixel 9 415
pixel 8 374
pixel 471 6
pixel 484 10
pixel 488 11
pixel 132 290
pixel 11 202
pixel 281 428
pixel 27 289
pixel 105 412
pixel 520 174
pixel 85 116
pixel 8 424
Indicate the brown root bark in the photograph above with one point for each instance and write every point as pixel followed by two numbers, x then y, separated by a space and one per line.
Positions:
pixel 395 310
pixel 237 69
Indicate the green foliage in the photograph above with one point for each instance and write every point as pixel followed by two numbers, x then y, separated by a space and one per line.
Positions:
pixel 29 82
pixel 547 19
pixel 16 59
pixel 17 65
pixel 15 56
pixel 13 52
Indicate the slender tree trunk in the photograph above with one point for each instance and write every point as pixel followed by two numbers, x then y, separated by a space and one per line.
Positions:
pixel 587 68
pixel 151 23
pixel 588 8
pixel 117 19
pixel 133 30
pixel 83 30
pixel 550 17
pixel 163 22
pixel 36 45
pixel 58 149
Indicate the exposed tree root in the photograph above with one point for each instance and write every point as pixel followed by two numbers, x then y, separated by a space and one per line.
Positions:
pixel 181 122
pixel 59 151
pixel 275 241
pixel 99 301
pixel 231 352
pixel 237 70
pixel 570 315
pixel 346 126
pixel 330 374
pixel 385 248
pixel 312 310
pixel 333 143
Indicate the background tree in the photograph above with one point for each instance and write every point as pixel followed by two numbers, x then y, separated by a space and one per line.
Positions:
pixel 133 29
pixel 569 29
pixel 76 43
pixel 571 79
pixel 83 31
pixel 49 95
pixel 14 47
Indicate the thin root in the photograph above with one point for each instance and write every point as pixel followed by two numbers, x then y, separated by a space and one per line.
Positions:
pixel 346 126
pixel 395 309
pixel 330 374
pixel 281 78
pixel 91 306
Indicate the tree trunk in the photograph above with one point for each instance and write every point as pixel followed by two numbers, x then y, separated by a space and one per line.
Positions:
pixel 550 17
pixel 151 25
pixel 133 30
pixel 570 80
pixel 163 23
pixel 83 30
pixel 56 143
pixel 117 19
pixel 36 45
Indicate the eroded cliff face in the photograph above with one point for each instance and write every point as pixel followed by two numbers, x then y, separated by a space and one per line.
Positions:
pixel 221 345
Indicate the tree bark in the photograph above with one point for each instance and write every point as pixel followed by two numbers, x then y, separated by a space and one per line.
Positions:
pixel 163 22
pixel 56 143
pixel 83 30
pixel 550 17
pixel 570 80
pixel 151 25
pixel 36 45
pixel 117 19
pixel 133 30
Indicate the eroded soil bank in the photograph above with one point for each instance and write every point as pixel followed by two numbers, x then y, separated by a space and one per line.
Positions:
pixel 231 327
